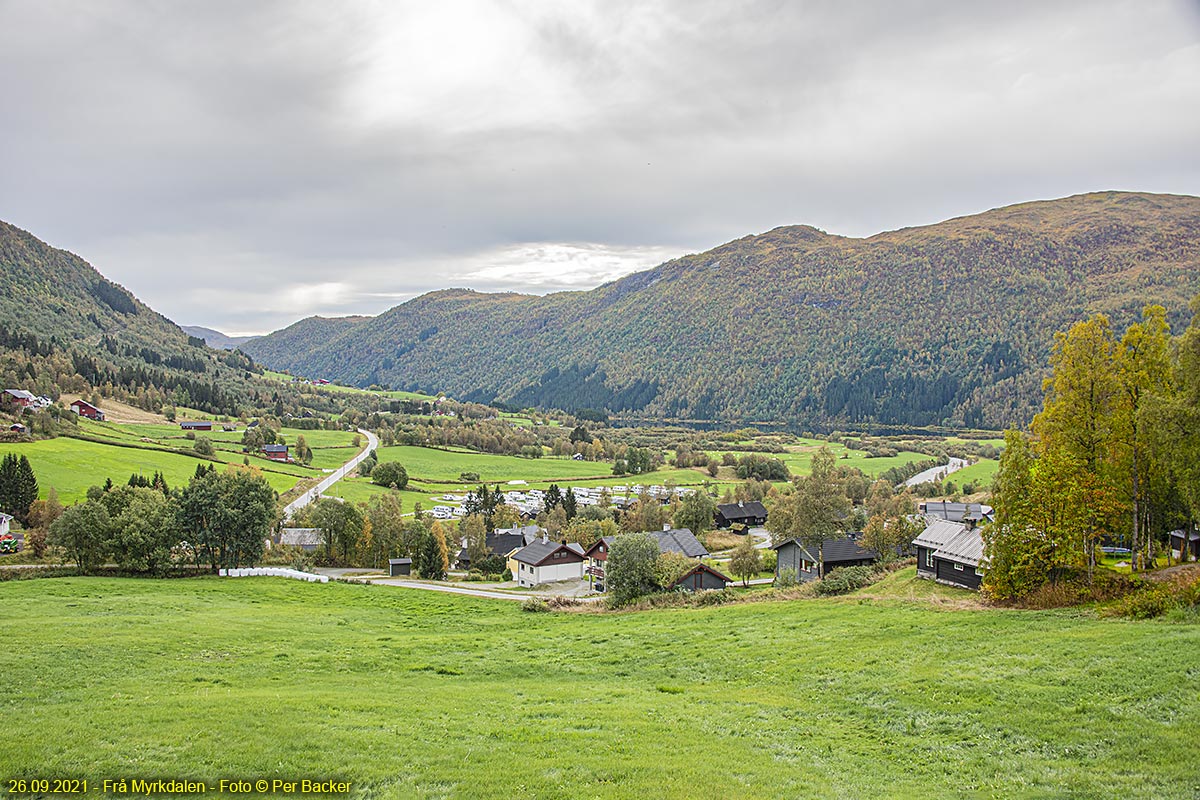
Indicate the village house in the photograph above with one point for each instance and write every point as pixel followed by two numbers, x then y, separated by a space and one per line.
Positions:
pixel 750 515
pixel 17 427
pixel 198 425
pixel 85 409
pixel 545 561
pixel 276 452
pixel 951 553
pixel 676 540
pixel 845 551
pixel 18 398
pixel 937 532
pixel 701 578
pixel 5 520
pixel 307 539
pixel 399 567
pixel 1185 545
pixel 970 513
pixel 504 542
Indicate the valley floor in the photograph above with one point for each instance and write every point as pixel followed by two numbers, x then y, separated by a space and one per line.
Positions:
pixel 421 694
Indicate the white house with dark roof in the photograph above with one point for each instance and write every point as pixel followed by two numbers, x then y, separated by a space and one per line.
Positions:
pixel 544 561
pixel 5 519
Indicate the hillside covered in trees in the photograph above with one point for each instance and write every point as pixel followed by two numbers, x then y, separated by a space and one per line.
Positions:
pixel 943 324
pixel 65 328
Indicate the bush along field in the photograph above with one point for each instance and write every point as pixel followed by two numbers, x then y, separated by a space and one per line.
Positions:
pixel 419 694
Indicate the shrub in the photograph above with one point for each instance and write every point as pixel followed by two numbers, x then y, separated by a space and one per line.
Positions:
pixel 506 575
pixel 845 579
pixel 390 473
pixel 787 578
pixel 535 605
pixel 203 446
pixel 474 575
pixel 469 477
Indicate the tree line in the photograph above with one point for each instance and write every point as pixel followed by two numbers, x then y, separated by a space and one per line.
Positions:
pixel 1112 459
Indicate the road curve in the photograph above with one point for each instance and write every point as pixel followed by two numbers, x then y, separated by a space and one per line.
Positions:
pixel 332 478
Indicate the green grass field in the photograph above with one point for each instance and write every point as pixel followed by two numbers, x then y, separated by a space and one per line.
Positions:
pixel 799 458
pixel 72 465
pixel 440 465
pixel 981 473
pixel 413 694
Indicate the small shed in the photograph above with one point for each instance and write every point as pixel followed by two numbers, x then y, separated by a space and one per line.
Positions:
pixel 1185 545
pixel 399 567
pixel 701 578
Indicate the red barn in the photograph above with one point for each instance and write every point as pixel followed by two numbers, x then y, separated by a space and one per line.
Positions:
pixel 85 409
pixel 19 397
pixel 276 452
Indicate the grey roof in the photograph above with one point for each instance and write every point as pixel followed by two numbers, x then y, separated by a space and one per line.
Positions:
pixel 537 552
pixel 965 548
pixel 296 537
pixel 21 394
pixel 680 540
pixel 938 532
pixel 1191 537
pixel 846 548
pixel 732 511
pixel 274 448
pixel 5 517
pixel 528 534
pixel 504 543
pixel 399 560
pixel 957 512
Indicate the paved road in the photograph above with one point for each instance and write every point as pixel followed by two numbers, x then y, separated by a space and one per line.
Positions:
pixel 939 473
pixel 312 494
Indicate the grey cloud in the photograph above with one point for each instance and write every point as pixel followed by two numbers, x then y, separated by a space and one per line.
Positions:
pixel 390 149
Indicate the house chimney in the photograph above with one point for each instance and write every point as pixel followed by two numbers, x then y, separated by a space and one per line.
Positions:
pixel 545 539
pixel 666 527
pixel 741 504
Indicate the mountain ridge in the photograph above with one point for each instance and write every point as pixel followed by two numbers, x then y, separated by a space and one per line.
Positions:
pixel 948 323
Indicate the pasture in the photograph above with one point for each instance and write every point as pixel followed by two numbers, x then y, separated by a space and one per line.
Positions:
pixel 418 694
pixel 73 465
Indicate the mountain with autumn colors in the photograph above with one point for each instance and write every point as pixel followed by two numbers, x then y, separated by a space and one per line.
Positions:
pixel 945 324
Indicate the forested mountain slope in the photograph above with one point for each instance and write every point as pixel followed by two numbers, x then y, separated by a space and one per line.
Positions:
pixel 944 324
pixel 66 328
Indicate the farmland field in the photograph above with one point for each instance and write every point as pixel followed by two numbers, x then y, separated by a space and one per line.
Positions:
pixel 72 465
pixel 441 465
pixel 981 473
pixel 416 694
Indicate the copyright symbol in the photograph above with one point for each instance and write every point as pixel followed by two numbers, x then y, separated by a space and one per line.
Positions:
pixel 262 786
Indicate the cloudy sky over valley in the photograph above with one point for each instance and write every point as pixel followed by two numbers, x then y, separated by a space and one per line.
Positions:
pixel 244 164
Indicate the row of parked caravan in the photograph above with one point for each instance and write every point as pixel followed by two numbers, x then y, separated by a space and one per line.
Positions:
pixel 273 572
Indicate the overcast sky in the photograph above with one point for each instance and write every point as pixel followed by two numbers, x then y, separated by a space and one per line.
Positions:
pixel 243 164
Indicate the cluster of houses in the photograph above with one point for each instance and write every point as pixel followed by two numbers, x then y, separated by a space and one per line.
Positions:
pixel 949 550
pixel 529 503
pixel 544 561
pixel 20 400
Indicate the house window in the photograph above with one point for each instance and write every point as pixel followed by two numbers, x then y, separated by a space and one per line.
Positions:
pixel 929 558
pixel 958 567
pixel 978 572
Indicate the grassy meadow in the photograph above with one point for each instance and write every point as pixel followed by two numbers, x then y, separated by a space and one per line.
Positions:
pixel 413 694
pixel 73 465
